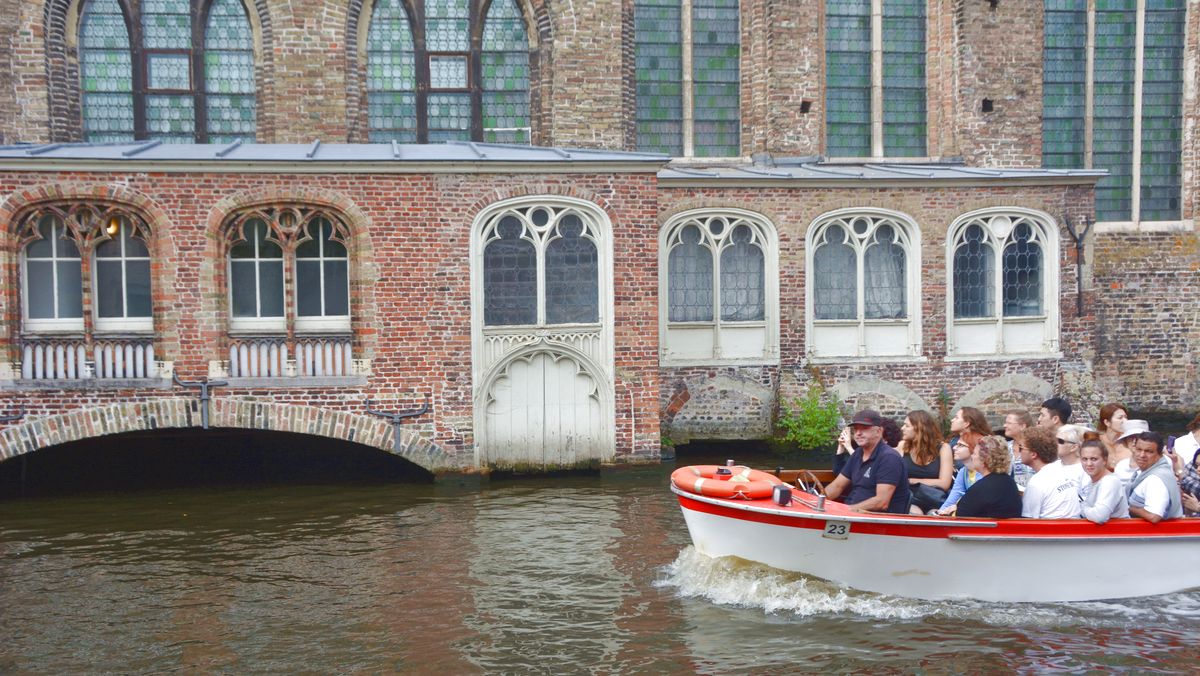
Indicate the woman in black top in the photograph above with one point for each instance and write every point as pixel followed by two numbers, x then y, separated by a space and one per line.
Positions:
pixel 994 495
pixel 928 460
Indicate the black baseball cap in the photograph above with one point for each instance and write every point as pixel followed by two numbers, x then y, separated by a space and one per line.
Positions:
pixel 868 418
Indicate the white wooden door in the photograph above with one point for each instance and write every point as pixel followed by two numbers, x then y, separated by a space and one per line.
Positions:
pixel 544 411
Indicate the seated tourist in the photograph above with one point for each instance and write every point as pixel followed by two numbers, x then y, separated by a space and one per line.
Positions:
pixel 1154 491
pixel 995 494
pixel 1069 439
pixel 1055 413
pixel 1187 445
pixel 1101 495
pixel 1111 427
pixel 873 479
pixel 970 425
pixel 1189 487
pixel 1014 422
pixel 1051 492
pixel 928 461
pixel 1125 468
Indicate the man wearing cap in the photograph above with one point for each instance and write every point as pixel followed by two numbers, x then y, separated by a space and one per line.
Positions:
pixel 874 478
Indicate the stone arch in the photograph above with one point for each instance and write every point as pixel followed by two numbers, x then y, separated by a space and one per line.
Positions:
pixel 180 412
pixel 362 257
pixel 889 397
pixel 162 244
pixel 62 67
pixel 537 20
pixel 995 396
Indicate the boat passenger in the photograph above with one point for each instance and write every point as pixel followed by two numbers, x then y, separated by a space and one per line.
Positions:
pixel 995 494
pixel 1154 492
pixel 892 433
pixel 1187 445
pixel 1111 427
pixel 874 479
pixel 1069 439
pixel 1055 413
pixel 1014 422
pixel 928 460
pixel 1125 469
pixel 1051 492
pixel 1189 487
pixel 1101 496
pixel 970 425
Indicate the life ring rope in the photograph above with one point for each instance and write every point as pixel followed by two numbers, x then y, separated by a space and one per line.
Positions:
pixel 743 483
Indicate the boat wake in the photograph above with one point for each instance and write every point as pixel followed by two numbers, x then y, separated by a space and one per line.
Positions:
pixel 736 582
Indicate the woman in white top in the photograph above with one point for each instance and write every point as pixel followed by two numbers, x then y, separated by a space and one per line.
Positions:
pixel 1100 491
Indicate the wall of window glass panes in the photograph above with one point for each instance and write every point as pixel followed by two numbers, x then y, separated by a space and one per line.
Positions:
pixel 709 90
pixel 849 80
pixel 448 90
pixel 1144 160
pixel 191 81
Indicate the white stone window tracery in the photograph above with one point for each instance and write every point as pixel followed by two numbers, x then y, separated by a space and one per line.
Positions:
pixel 1003 293
pixel 718 289
pixel 864 285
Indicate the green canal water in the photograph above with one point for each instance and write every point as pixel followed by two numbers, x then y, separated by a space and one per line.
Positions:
pixel 591 574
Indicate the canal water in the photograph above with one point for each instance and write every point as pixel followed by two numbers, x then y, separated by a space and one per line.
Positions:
pixel 555 575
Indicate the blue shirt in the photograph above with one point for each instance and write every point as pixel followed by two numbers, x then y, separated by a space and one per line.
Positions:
pixel 884 467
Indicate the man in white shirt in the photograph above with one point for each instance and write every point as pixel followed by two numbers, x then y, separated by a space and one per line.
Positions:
pixel 1051 491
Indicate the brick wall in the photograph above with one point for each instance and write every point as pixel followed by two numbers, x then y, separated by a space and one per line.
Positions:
pixel 410 282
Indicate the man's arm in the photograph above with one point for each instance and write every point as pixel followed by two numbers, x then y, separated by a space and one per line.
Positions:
pixel 1143 513
pixel 834 490
pixel 879 503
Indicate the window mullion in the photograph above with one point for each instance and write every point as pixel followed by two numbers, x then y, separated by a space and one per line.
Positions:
pixel 860 291
pixel 877 149
pixel 689 113
pixel 715 251
pixel 998 291
pixel 1135 193
pixel 540 252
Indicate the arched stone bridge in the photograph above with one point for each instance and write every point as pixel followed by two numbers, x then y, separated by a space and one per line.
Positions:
pixel 181 412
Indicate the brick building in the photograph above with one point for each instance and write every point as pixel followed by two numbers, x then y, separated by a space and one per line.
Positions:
pixel 983 203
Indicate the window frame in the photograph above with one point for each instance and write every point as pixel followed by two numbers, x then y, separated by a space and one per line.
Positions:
pixel 124 324
pixel 414 12
pixel 1046 231
pixel 140 55
pixel 322 323
pixel 767 233
pixel 909 238
pixel 56 325
pixel 286 227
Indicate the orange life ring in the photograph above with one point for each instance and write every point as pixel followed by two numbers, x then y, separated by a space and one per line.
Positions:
pixel 745 483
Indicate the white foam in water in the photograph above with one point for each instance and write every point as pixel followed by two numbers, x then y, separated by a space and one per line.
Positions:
pixel 735 582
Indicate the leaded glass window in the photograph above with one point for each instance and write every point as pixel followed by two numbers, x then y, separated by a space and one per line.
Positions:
pixel 716 267
pixel 853 125
pixel 53 282
pixel 191 82
pixel 1144 161
pixel 866 251
pixel 541 266
pixel 427 81
pixel 122 265
pixel 322 273
pixel 999 257
pixel 710 90
pixel 106 73
pixel 256 274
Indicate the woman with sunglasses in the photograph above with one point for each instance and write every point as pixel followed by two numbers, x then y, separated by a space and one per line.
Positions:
pixel 1100 491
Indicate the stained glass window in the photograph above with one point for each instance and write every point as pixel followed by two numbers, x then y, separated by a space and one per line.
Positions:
pixel 462 92
pixel 904 78
pixel 572 275
pixel 742 285
pixel 715 51
pixel 690 278
pixel 716 258
pixel 835 277
pixel 1116 140
pixel 1064 59
pixel 106 73
pixel 510 276
pixel 173 103
pixel 505 66
pixel 974 274
pixel 885 276
pixel 229 74
pixel 1022 273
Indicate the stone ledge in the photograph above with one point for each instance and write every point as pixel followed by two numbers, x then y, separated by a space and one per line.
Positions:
pixel 88 384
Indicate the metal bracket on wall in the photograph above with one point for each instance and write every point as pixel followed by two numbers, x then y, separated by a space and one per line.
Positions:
pixel 1079 238
pixel 13 417
pixel 397 418
pixel 205 395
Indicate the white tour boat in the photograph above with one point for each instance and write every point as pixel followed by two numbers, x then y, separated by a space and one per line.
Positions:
pixel 739 513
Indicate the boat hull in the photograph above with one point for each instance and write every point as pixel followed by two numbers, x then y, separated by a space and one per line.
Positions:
pixel 918 557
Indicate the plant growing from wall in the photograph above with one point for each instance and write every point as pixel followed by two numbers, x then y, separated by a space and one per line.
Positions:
pixel 811 421
pixel 943 406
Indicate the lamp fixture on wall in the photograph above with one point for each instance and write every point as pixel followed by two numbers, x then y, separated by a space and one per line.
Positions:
pixel 114 226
